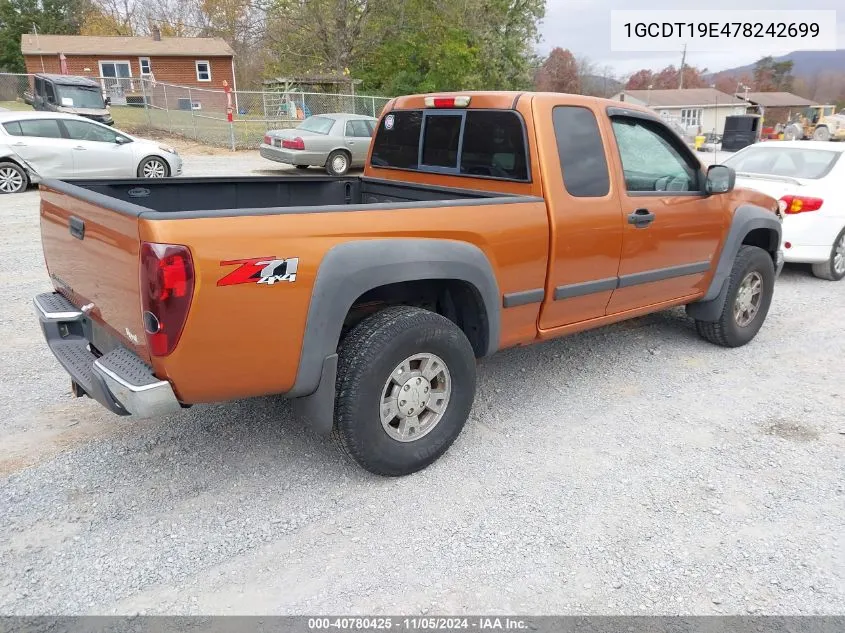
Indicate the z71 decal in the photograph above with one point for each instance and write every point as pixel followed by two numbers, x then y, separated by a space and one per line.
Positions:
pixel 260 270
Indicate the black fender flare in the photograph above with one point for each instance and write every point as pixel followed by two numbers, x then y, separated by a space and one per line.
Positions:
pixel 746 218
pixel 349 270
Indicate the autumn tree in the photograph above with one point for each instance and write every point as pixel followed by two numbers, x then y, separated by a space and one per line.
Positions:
pixel 668 78
pixel 732 84
pixel 640 80
pixel 559 73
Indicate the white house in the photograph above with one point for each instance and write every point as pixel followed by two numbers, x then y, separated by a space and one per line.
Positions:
pixel 694 109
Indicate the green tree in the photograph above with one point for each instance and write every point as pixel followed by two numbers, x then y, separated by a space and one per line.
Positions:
pixel 772 76
pixel 61 17
pixel 402 46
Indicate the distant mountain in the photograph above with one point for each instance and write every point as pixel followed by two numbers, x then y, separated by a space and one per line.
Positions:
pixel 599 85
pixel 805 63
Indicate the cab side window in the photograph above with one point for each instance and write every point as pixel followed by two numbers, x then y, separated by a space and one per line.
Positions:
pixel 50 92
pixel 650 160
pixel 581 152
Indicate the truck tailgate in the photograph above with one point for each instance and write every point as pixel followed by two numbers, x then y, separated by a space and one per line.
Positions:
pixel 92 256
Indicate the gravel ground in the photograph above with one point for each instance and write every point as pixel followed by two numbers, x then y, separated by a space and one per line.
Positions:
pixel 634 469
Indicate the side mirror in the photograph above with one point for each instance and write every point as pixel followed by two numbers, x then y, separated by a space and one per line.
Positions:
pixel 108 101
pixel 720 179
pixel 121 140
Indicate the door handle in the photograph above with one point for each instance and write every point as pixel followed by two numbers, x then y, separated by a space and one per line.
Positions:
pixel 76 227
pixel 79 147
pixel 641 218
pixel 18 144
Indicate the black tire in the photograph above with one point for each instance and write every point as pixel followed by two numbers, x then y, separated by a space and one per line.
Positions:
pixel 303 166
pixel 13 178
pixel 827 270
pixel 335 166
pixel 368 357
pixel 149 160
pixel 726 331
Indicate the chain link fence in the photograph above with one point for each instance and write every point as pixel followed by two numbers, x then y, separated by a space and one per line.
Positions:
pixel 202 114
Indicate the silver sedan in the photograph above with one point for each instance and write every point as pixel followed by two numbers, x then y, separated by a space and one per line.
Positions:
pixel 334 141
pixel 39 145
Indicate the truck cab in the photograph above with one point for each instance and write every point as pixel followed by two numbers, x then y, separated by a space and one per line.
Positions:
pixel 72 95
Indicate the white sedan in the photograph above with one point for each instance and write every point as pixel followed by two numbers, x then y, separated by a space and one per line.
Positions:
pixel 39 145
pixel 806 178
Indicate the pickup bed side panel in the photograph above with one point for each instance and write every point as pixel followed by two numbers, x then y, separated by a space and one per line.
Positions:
pixel 97 265
pixel 246 339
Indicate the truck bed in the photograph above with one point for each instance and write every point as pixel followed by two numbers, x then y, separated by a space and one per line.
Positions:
pixel 220 197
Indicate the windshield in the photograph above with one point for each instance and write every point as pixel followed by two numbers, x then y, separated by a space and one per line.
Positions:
pixel 317 124
pixel 81 97
pixel 784 161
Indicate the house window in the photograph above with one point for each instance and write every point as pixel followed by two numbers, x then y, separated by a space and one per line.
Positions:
pixel 146 68
pixel 690 117
pixel 203 71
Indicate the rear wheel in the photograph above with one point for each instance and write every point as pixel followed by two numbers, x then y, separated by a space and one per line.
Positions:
pixel 153 167
pixel 834 268
pixel 821 134
pixel 13 178
pixel 338 163
pixel 750 288
pixel 405 386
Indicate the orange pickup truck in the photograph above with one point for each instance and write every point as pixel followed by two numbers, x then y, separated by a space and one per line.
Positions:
pixel 482 221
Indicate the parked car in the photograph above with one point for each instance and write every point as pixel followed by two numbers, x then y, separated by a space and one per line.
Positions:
pixel 806 177
pixel 334 141
pixel 482 221
pixel 39 145
pixel 71 95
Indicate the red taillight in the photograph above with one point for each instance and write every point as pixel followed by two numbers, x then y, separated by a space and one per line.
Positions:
pixel 167 286
pixel 293 143
pixel 268 140
pixel 800 204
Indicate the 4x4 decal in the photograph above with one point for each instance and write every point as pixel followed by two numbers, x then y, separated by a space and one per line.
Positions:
pixel 260 270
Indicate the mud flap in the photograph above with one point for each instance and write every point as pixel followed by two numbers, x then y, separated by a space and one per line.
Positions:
pixel 317 409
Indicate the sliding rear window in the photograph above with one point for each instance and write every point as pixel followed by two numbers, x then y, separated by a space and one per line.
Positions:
pixel 476 143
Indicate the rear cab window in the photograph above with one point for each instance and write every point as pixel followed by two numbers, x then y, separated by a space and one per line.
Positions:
pixel 476 143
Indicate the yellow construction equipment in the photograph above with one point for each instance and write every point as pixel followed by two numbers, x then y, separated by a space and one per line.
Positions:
pixel 818 123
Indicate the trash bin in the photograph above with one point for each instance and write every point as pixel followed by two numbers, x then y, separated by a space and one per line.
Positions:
pixel 699 141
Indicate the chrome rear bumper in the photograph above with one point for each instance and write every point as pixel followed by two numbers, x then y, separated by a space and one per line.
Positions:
pixel 119 379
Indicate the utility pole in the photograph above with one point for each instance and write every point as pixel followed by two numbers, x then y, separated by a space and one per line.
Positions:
pixel 681 74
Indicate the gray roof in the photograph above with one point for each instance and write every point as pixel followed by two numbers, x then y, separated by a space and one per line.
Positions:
pixel 777 99
pixel 69 80
pixel 32 44
pixel 701 97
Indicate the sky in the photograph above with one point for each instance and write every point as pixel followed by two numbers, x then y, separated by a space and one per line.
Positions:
pixel 583 26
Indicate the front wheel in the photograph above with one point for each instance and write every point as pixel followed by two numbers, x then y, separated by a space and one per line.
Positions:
pixel 153 167
pixel 405 386
pixel 338 163
pixel 13 179
pixel 834 268
pixel 750 288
